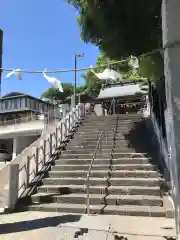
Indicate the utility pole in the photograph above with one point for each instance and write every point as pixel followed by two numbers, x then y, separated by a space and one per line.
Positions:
pixel 1 52
pixel 80 54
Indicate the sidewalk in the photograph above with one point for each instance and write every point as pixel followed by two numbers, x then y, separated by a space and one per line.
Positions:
pixel 56 226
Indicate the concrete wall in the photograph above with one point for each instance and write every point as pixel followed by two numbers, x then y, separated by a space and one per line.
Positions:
pixel 171 40
pixel 29 128
pixel 20 143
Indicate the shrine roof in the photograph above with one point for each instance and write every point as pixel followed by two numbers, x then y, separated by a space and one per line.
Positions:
pixel 120 91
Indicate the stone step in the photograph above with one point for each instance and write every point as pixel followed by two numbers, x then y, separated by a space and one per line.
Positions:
pixel 103 173
pixel 99 151
pixel 130 210
pixel 118 117
pixel 107 130
pixel 118 190
pixel 105 161
pixel 87 146
pixel 111 123
pixel 92 141
pixel 103 181
pixel 110 119
pixel 94 134
pixel 134 167
pixel 88 136
pixel 92 145
pixel 99 199
pixel 104 155
pixel 95 138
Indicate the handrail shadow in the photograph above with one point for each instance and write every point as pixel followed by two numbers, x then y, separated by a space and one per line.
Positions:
pixel 34 224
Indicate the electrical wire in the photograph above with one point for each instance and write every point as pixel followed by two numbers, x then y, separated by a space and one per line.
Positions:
pixel 80 69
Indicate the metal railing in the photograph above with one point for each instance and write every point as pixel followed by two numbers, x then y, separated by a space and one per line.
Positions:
pixel 32 160
pixel 20 120
pixel 47 117
pixel 98 145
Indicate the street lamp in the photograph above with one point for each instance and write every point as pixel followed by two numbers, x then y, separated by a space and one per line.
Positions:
pixel 80 54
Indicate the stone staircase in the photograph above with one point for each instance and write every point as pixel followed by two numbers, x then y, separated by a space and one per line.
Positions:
pixel 123 180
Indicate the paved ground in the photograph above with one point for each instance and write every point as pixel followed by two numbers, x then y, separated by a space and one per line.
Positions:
pixel 56 226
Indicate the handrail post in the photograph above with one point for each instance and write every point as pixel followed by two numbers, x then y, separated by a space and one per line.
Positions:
pixel 44 151
pixel 13 185
pixel 27 171
pixel 50 144
pixel 57 137
pixel 61 132
pixel 37 160
pixel 88 199
pixel 114 106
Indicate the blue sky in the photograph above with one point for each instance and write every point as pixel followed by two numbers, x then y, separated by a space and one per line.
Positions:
pixel 41 34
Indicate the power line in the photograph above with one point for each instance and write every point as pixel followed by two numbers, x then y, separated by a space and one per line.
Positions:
pixel 80 69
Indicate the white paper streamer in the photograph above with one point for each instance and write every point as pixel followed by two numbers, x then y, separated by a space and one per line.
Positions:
pixel 16 73
pixel 108 74
pixel 55 83
pixel 134 62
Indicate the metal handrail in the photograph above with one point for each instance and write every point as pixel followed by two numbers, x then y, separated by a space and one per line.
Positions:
pixel 114 138
pixel 90 168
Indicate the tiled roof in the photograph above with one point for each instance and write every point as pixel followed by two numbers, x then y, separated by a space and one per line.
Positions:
pixel 120 91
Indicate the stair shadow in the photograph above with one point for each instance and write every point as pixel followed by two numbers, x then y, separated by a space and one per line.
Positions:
pixel 140 139
pixel 34 224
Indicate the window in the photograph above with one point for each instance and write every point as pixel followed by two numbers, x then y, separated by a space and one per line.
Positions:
pixel 3 146
pixel 6 104
pixel 9 104
pixel 28 103
pixel 1 105
pixel 15 103
pixel 25 102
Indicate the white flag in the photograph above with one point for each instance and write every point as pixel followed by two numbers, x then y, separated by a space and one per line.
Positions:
pixel 16 73
pixel 134 62
pixel 55 83
pixel 108 74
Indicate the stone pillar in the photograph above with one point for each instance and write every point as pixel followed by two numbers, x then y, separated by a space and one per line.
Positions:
pixel 13 185
pixel 171 37
pixel 14 154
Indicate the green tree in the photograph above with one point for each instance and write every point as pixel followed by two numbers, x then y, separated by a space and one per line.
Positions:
pixel 55 94
pixel 120 27
pixel 92 84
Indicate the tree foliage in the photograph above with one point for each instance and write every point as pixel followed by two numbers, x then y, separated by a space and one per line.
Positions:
pixel 120 27
pixel 55 94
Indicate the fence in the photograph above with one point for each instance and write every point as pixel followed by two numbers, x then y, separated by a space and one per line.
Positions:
pixel 25 167
pixel 158 106
pixel 21 120
pixel 47 117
